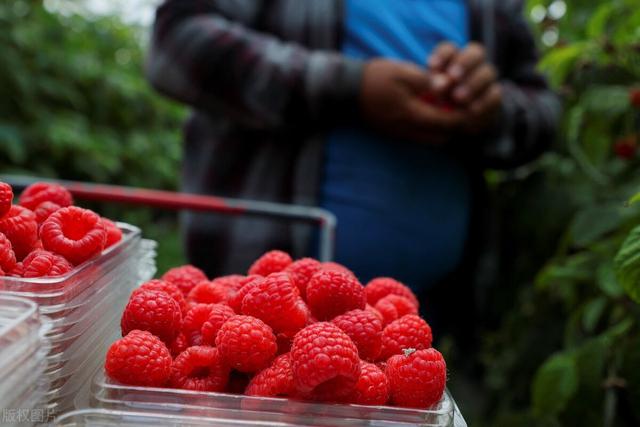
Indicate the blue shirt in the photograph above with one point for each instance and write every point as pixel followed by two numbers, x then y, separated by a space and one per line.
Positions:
pixel 402 207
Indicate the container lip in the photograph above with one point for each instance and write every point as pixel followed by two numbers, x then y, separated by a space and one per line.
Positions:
pixel 442 408
pixel 130 232
pixel 29 310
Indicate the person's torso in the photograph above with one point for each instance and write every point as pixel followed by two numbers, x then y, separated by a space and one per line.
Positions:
pixel 402 208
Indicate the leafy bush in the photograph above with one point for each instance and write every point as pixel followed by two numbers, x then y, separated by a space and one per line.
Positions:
pixel 568 353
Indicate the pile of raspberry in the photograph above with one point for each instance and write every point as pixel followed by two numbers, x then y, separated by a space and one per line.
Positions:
pixel 299 329
pixel 44 235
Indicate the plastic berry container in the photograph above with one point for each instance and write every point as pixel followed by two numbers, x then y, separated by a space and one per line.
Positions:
pixel 84 308
pixel 111 418
pixel 108 394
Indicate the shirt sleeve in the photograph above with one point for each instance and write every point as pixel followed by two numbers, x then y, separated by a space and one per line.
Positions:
pixel 530 110
pixel 211 57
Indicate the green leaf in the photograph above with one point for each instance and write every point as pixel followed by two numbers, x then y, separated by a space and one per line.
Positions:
pixel 607 100
pixel 598 22
pixel 560 61
pixel 607 281
pixel 592 223
pixel 634 199
pixel 592 313
pixel 555 382
pixel 627 265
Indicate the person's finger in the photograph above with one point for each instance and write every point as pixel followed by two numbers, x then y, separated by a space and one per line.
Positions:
pixel 469 58
pixel 420 82
pixel 491 101
pixel 475 84
pixel 442 56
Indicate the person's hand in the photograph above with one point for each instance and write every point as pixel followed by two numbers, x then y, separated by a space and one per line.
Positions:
pixel 391 101
pixel 471 82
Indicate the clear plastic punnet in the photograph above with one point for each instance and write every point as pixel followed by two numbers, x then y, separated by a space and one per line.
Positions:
pixel 109 394
pixel 23 351
pixel 84 308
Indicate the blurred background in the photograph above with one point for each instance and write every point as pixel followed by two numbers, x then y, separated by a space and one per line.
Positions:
pixel 560 330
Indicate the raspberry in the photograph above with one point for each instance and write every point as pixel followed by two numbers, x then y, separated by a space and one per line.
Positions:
pixel 325 362
pixel 17 270
pixel 172 290
pixel 235 302
pixel 6 198
pixel 199 368
pixel 179 344
pixel 383 286
pixel 301 271
pixel 271 262
pixel 21 228
pixel 185 277
pixel 218 315
pixel 409 331
pixel 634 97
pixel 7 256
pixel 375 311
pixel 284 343
pixel 417 378
pixel 208 293
pixel 44 210
pixel 364 329
pixel 75 233
pixel 247 344
pixel 372 387
pixel 40 192
pixel 276 301
pixel 276 380
pixel 193 321
pixel 153 311
pixel 337 267
pixel 331 293
pixel 41 263
pixel 625 148
pixel 233 282
pixel 114 234
pixel 140 359
pixel 392 307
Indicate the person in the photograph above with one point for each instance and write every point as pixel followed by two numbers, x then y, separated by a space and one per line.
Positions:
pixel 385 112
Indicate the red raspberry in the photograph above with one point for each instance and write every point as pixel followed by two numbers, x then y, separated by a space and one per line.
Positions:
pixel 17 270
pixel 235 302
pixel 179 344
pixel 392 307
pixel 276 380
pixel 337 267
pixel 233 282
pixel 634 97
pixel 284 343
pixel 301 271
pixel 114 234
pixel 625 148
pixel 271 262
pixel 172 290
pixel 41 263
pixel 6 198
pixel 185 277
pixel 208 293
pixel 21 228
pixel 218 316
pixel 75 233
pixel 372 309
pixel 139 359
pixel 276 301
pixel 44 210
pixel 409 331
pixel 325 362
pixel 372 387
pixel 199 368
pixel 364 329
pixel 417 378
pixel 40 192
pixel 193 321
pixel 383 286
pixel 247 344
pixel 153 311
pixel 331 293
pixel 7 256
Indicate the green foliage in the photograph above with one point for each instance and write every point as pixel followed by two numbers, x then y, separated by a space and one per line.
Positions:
pixel 76 106
pixel 572 332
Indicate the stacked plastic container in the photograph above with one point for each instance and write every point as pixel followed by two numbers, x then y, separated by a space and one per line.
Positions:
pixel 23 351
pixel 84 308
pixel 111 395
